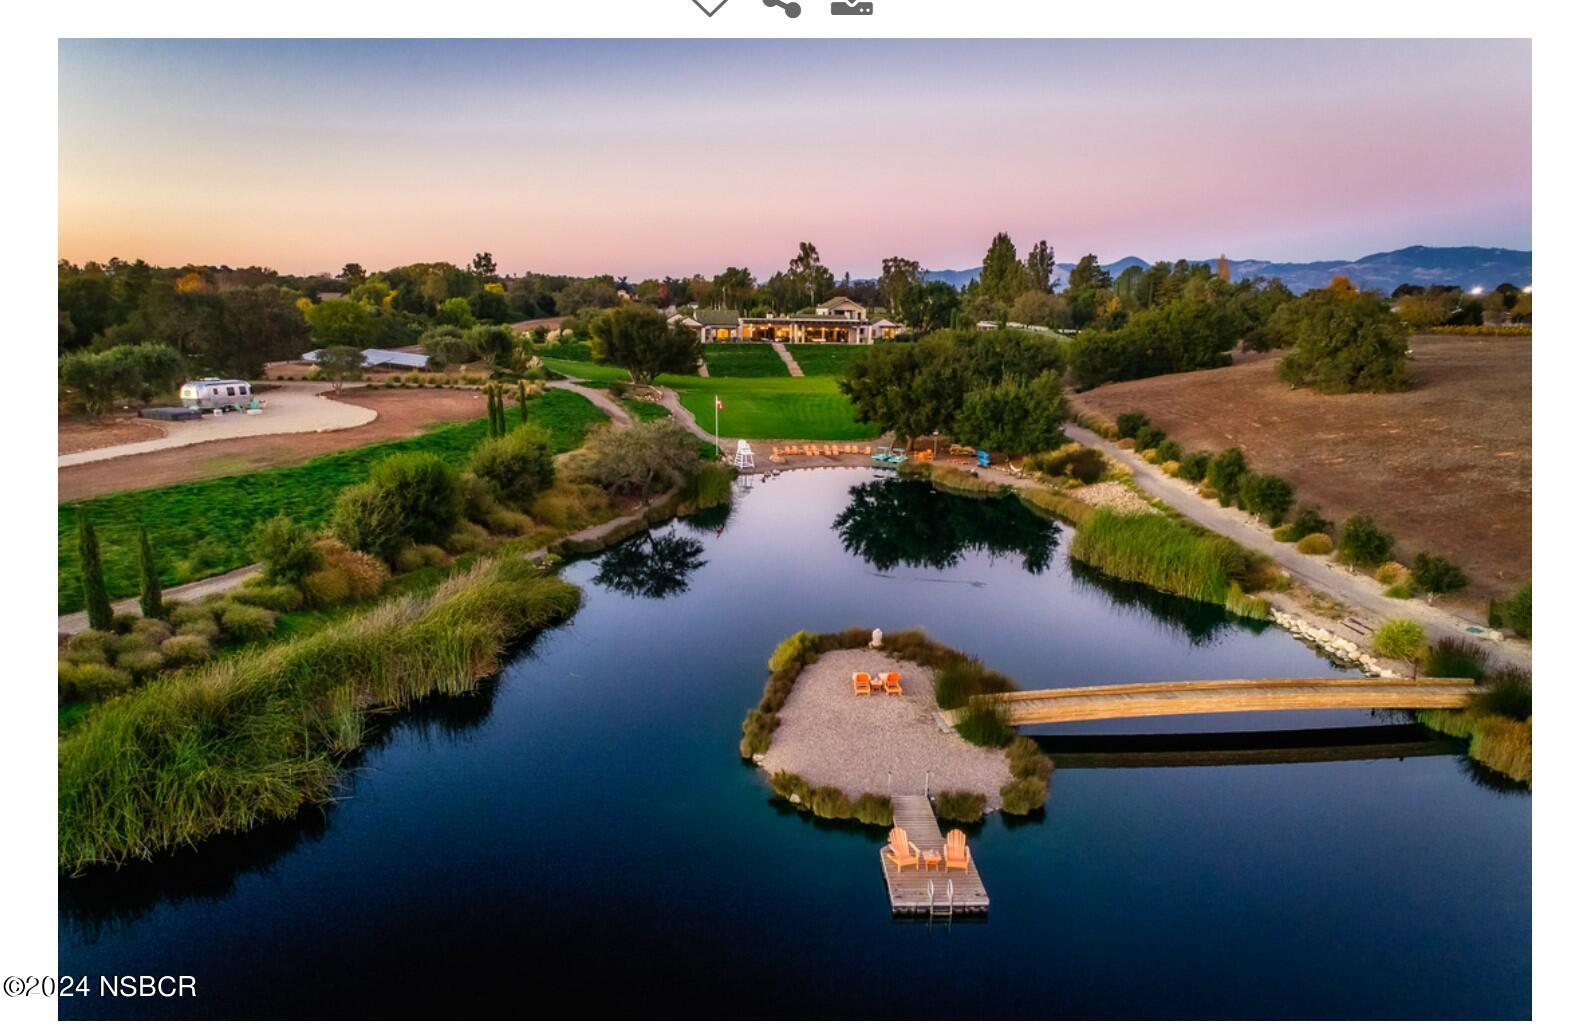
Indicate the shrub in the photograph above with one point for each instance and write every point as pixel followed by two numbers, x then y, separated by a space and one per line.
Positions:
pixel 246 623
pixel 1170 468
pixel 1400 639
pixel 89 646
pixel 794 651
pixel 325 589
pixel 285 550
pixel 1148 437
pixel 423 490
pixel 1308 520
pixel 1400 590
pixel 1072 460
pixel 418 557
pixel 831 803
pixel 1266 496
pixel 1315 544
pixel 90 682
pixel 139 663
pixel 518 466
pixel 183 649
pixel 151 630
pixel 1126 442
pixel 1150 455
pixel 364 575
pixel 1363 543
pixel 1508 695
pixel 150 591
pixel 100 614
pixel 957 682
pixel 200 624
pixel 1515 612
pixel 1435 575
pixel 366 520
pixel 874 809
pixel 984 724
pixel 960 807
pixel 1023 795
pixel 1169 451
pixel 786 785
pixel 1127 424
pixel 1391 572
pixel 281 598
pixel 1456 657
pixel 1026 759
pixel 1224 473
pixel 758 726
pixel 1193 467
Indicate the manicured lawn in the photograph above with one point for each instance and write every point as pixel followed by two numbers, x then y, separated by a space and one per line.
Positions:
pixel 756 359
pixel 772 408
pixel 827 359
pixel 205 527
pixel 584 370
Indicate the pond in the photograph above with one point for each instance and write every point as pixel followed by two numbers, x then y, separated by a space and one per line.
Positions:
pixel 581 840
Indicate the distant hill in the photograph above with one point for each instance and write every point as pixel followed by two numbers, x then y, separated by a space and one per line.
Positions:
pixel 959 278
pixel 1459 266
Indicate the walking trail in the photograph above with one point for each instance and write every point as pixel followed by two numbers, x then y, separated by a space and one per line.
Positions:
pixel 1319 573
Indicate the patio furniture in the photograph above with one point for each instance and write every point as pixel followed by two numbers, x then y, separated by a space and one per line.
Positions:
pixel 901 852
pixel 892 683
pixel 861 684
pixel 931 859
pixel 958 855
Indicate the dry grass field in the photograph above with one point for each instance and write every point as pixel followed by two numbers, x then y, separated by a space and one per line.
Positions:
pixel 1445 467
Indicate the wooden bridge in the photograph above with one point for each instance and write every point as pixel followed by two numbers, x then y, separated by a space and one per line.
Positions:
pixel 1174 698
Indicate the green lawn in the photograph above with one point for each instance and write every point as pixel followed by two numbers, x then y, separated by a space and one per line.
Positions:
pixel 772 408
pixel 203 528
pixel 826 359
pixel 584 370
pixel 744 360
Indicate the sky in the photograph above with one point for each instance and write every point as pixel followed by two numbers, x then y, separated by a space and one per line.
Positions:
pixel 670 157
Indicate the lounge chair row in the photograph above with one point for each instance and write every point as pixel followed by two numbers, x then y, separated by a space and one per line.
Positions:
pixel 957 855
pixel 816 451
pixel 863 684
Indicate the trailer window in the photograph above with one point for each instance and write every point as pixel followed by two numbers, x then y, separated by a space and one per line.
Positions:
pixel 231 391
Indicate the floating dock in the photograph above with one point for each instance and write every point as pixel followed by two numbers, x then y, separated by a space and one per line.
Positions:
pixel 931 891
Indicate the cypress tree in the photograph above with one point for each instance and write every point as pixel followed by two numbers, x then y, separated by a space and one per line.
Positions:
pixel 152 590
pixel 524 416
pixel 100 616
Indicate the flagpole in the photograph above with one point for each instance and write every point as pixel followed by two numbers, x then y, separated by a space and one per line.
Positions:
pixel 717 426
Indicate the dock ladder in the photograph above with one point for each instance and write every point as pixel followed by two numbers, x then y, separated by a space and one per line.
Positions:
pixel 942 907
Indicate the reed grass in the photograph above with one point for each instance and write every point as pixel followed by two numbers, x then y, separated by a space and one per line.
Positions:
pixel 1162 553
pixel 255 736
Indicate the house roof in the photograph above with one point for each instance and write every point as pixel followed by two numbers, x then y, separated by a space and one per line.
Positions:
pixel 840 301
pixel 716 317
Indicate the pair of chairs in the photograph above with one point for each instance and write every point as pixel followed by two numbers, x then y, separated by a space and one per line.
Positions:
pixel 957 855
pixel 863 684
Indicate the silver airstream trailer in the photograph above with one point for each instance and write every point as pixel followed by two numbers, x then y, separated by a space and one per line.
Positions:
pixel 211 394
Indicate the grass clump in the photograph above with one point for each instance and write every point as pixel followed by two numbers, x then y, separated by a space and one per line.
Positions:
pixel 958 681
pixel 255 736
pixel 1315 544
pixel 794 651
pixel 1075 461
pixel 1391 572
pixel 1021 796
pixel 1026 759
pixel 281 598
pixel 1456 657
pixel 985 724
pixel 1241 603
pixel 1515 613
pixel 186 649
pixel 81 682
pixel 960 807
pixel 241 622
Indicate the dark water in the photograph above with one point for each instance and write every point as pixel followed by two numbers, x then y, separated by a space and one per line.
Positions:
pixel 581 839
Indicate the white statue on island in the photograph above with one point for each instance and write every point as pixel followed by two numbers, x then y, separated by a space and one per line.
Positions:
pixel 878 641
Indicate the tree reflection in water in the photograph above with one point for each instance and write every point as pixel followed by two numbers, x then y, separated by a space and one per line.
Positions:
pixel 893 522
pixel 648 566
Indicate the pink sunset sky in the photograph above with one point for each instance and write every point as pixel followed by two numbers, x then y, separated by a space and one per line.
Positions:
pixel 669 157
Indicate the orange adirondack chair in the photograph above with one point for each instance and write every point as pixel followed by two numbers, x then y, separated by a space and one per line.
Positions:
pixel 861 684
pixel 892 683
pixel 958 855
pixel 901 852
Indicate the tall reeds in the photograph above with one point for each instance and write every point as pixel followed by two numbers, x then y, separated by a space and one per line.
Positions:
pixel 1155 550
pixel 256 736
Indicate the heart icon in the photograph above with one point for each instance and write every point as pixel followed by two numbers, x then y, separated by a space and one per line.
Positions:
pixel 710 11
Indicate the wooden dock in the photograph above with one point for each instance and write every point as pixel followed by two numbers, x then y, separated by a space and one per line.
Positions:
pixel 934 892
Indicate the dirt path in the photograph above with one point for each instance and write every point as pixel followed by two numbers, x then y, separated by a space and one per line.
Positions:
pixel 294 408
pixel 72 623
pixel 395 414
pixel 1316 572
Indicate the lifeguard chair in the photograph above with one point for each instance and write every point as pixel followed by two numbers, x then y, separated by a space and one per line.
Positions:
pixel 743 458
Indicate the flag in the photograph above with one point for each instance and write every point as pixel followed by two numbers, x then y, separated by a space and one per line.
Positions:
pixel 718 405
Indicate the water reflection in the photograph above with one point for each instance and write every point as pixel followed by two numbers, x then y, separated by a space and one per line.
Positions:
pixel 651 565
pixel 892 522
pixel 1246 748
pixel 1198 622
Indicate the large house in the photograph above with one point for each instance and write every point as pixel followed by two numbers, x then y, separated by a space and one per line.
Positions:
pixel 837 321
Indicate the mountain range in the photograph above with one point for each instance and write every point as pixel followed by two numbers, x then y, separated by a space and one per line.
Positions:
pixel 1458 266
